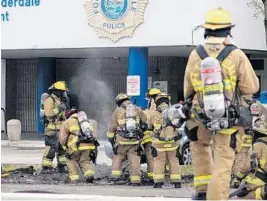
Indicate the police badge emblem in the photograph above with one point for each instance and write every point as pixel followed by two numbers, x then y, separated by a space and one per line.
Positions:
pixel 115 19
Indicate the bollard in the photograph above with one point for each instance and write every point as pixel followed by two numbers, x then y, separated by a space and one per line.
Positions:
pixel 14 130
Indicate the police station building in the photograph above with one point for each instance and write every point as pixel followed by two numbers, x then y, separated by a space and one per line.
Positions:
pixel 94 44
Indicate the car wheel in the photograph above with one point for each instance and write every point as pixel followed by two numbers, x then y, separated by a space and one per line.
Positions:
pixel 186 155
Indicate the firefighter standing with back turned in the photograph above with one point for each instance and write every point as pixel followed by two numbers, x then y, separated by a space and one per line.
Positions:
pixel 212 181
pixel 125 135
pixel 78 138
pixel 54 110
pixel 147 139
pixel 164 145
pixel 254 167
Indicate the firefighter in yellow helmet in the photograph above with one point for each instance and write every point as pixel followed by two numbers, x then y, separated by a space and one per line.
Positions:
pixel 212 181
pixel 78 138
pixel 147 139
pixel 54 111
pixel 125 135
pixel 254 167
pixel 164 145
pixel 151 95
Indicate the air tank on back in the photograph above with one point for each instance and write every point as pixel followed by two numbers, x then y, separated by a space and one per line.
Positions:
pixel 213 96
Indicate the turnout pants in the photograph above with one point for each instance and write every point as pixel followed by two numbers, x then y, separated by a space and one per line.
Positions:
pixel 53 148
pixel 128 151
pixel 160 163
pixel 80 159
pixel 149 159
pixel 212 177
pixel 243 143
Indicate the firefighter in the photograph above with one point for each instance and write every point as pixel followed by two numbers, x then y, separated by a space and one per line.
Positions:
pixel 125 135
pixel 147 139
pixel 151 95
pixel 78 138
pixel 254 168
pixel 146 143
pixel 245 142
pixel 164 145
pixel 54 110
pixel 212 181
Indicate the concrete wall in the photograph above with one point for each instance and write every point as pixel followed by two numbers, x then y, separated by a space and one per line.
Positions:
pixel 64 24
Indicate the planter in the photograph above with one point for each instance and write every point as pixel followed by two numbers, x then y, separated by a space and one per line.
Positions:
pixel 14 130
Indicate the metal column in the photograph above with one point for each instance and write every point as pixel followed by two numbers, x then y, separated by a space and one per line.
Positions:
pixel 138 65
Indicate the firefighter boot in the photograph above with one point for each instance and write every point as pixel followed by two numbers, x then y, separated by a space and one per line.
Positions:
pixel 150 182
pixel 199 196
pixel 177 184
pixel 157 185
pixel 69 181
pixel 89 179
pixel 62 169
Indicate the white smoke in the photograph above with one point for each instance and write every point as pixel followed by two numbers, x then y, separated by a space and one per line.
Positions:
pixel 95 96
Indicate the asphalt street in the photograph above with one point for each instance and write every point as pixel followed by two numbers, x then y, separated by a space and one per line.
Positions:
pixel 55 197
pixel 108 190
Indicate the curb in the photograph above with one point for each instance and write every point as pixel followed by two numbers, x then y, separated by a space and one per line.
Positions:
pixel 23 144
pixel 37 144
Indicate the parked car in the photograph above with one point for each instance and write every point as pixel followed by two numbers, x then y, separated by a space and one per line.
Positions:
pixel 183 152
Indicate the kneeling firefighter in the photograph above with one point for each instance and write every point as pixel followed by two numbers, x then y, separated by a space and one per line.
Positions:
pixel 125 134
pixel 243 141
pixel 54 115
pixel 78 138
pixel 217 75
pixel 253 171
pixel 164 144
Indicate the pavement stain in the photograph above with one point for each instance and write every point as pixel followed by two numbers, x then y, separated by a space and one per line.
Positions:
pixel 32 175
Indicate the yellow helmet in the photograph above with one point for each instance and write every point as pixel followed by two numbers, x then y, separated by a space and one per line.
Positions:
pixel 154 91
pixel 59 85
pixel 120 97
pixel 217 18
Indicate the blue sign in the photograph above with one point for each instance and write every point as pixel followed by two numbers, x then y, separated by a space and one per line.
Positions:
pixel 114 9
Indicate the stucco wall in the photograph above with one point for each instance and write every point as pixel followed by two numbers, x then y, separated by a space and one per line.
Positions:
pixel 64 24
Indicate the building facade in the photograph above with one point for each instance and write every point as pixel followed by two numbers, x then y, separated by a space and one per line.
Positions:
pixel 94 44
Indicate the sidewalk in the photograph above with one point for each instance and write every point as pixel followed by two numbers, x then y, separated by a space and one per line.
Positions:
pixel 25 153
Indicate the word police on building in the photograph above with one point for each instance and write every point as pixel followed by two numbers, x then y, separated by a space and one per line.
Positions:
pixel 115 19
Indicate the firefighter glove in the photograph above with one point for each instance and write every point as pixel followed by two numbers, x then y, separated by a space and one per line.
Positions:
pixel 115 149
pixel 154 152
pixel 112 141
